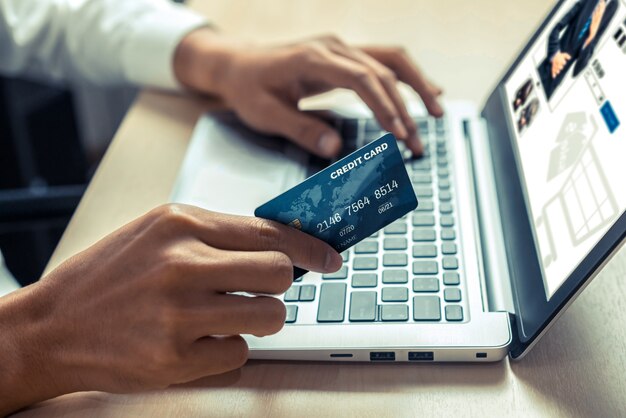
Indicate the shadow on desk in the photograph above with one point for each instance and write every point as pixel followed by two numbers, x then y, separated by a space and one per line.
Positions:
pixel 258 383
pixel 354 377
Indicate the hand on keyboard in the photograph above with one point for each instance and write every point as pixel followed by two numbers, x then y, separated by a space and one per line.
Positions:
pixel 264 84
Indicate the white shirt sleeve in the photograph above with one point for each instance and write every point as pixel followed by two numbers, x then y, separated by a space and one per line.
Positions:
pixel 104 41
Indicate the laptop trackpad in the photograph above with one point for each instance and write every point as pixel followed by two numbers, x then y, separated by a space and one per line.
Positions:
pixel 230 169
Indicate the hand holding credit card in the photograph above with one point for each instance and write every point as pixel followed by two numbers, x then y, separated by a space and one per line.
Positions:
pixel 349 200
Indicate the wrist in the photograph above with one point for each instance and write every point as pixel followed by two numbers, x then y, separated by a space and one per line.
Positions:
pixel 32 369
pixel 202 61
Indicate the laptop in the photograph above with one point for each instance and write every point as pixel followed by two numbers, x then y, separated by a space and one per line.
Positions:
pixel 521 203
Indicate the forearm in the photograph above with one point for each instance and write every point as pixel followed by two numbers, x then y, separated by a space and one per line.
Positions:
pixel 31 368
pixel 555 34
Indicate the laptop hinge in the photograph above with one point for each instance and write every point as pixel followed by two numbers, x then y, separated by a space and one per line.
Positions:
pixel 498 292
pixel 515 341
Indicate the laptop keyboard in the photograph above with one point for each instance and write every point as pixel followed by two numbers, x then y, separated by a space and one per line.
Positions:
pixel 408 272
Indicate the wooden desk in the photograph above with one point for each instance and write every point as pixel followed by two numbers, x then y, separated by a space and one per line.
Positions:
pixel 578 369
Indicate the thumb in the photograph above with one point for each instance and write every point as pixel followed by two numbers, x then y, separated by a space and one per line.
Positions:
pixel 303 129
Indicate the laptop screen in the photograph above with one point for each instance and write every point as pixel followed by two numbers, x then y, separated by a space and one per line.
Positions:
pixel 567 101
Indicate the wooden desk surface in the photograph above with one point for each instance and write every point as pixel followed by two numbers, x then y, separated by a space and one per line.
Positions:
pixel 578 369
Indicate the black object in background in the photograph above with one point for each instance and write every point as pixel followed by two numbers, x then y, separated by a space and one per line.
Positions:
pixel 43 172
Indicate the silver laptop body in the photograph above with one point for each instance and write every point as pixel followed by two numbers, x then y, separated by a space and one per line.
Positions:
pixel 468 276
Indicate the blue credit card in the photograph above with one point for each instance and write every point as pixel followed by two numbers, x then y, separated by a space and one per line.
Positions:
pixel 349 200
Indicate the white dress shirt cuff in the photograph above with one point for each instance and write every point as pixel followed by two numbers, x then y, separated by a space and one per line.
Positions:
pixel 149 54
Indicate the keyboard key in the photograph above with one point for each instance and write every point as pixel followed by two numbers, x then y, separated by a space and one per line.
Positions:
pixel 444 184
pixel 366 247
pixel 423 164
pixel 448 234
pixel 454 313
pixel 422 123
pixel 424 250
pixel 445 195
pixel 395 294
pixel 371 136
pixel 442 160
pixel 440 126
pixel 307 293
pixel 448 248
pixel 442 172
pixel 426 308
pixel 450 263
pixel 372 125
pixel 293 294
pixel 395 260
pixel 363 306
pixel 365 263
pixel 394 312
pixel 425 267
pixel 374 235
pixel 424 234
pixel 396 228
pixel 425 284
pixel 292 314
pixel 446 220
pixel 452 294
pixel 364 280
pixel 345 256
pixel 423 192
pixel 342 273
pixel 422 178
pixel 425 206
pixel 395 244
pixel 395 276
pixel 451 279
pixel 332 302
pixel 423 220
pixel 445 208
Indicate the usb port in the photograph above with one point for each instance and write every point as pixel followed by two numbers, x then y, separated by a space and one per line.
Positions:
pixel 421 356
pixel 382 356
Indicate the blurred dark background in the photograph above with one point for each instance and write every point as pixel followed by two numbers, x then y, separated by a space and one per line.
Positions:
pixel 51 140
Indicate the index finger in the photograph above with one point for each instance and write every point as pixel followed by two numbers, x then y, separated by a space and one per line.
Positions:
pixel 412 139
pixel 242 233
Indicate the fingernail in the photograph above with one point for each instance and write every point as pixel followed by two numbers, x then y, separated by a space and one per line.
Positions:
pixel 415 145
pixel 333 261
pixel 437 109
pixel 398 128
pixel 327 144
